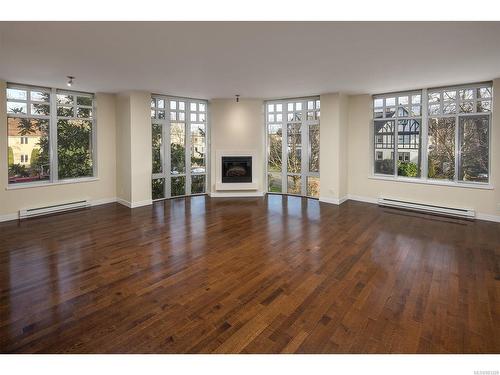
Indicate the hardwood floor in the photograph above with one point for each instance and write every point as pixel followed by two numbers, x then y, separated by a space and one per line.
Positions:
pixel 249 275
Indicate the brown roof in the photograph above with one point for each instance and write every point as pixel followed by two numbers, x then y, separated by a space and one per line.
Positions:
pixel 13 129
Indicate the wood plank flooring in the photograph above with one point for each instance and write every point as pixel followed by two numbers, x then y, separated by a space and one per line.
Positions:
pixel 249 275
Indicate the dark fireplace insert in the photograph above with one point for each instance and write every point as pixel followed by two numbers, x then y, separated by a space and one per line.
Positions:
pixel 236 169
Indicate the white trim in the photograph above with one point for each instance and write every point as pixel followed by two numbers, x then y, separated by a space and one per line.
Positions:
pixel 9 217
pixel 96 202
pixel 29 185
pixel 362 199
pixel 488 217
pixel 458 184
pixel 336 201
pixel 128 204
pixel 236 194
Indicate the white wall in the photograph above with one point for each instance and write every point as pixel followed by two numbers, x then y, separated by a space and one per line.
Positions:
pixel 237 126
pixel 485 202
pixel 134 156
pixel 333 147
pixel 102 189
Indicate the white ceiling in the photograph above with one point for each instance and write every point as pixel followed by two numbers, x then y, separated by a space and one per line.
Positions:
pixel 253 59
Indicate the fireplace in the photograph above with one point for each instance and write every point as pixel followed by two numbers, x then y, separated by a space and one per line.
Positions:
pixel 236 169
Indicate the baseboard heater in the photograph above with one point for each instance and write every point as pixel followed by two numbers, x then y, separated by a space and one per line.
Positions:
pixel 39 211
pixel 427 208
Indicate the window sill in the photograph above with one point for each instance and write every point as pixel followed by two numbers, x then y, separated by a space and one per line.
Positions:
pixel 43 184
pixel 410 180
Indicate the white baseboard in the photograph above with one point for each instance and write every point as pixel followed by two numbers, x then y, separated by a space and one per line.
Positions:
pixel 236 194
pixel 98 202
pixel 95 202
pixel 362 199
pixel 336 201
pixel 9 217
pixel 479 215
pixel 128 204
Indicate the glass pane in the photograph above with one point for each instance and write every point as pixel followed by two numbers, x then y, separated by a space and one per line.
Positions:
pixel 279 107
pixel 313 187
pixel 158 188
pixel 153 113
pixel 270 118
pixel 384 147
pixel 173 116
pixel 17 94
pixel 298 106
pixel 441 144
pixel 378 103
pixel 449 108
pixel 290 107
pixel 40 96
pixel 157 141
pixel 177 186
pixel 314 148
pixel 192 117
pixel 275 148
pixel 434 97
pixel 177 148
pixel 40 109
pixel 434 109
pixel 84 100
pixel 65 111
pixel 198 184
pixel 182 116
pixel 484 106
pixel 409 148
pixel 74 148
pixel 201 117
pixel 310 104
pixel 279 117
pixel 318 102
pixel 86 112
pixel 64 99
pixel 466 94
pixel 390 112
pixel 198 152
pixel 415 99
pixel 13 107
pixel 449 95
pixel 192 106
pixel 293 184
pixel 161 115
pixel 294 148
pixel 484 92
pixel 390 102
pixel 270 107
pixel 28 150
pixel 416 110
pixel 274 182
pixel 466 107
pixel 153 103
pixel 474 148
pixel 202 107
pixel 403 100
pixel 173 104
pixel 181 106
pixel 379 113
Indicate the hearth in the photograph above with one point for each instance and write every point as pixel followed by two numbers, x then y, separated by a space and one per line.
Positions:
pixel 236 169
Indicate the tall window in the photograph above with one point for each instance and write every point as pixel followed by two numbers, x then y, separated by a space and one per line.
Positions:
pixel 397 120
pixel 50 134
pixel 293 146
pixel 179 140
pixel 456 123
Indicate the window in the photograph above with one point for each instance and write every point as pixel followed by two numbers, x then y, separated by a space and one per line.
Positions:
pixel 397 119
pixel 293 146
pixel 179 140
pixel 456 127
pixel 38 119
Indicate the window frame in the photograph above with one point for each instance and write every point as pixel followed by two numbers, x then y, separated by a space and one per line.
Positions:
pixel 424 150
pixel 52 119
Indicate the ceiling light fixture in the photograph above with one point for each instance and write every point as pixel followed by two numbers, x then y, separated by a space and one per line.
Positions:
pixel 70 80
pixel 237 98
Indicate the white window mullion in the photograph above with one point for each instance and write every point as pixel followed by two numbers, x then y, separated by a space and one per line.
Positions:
pixel 54 163
pixel 187 150
pixel 424 136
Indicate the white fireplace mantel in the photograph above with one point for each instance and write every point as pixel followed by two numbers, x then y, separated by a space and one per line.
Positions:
pixel 224 186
